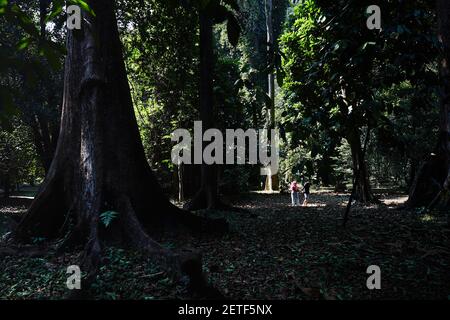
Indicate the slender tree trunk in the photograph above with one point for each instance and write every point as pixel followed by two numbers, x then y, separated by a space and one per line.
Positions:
pixel 271 180
pixel 7 168
pixel 44 139
pixel 271 58
pixel 180 182
pixel 363 191
pixel 364 188
pixel 207 196
pixel 6 187
pixel 42 128
pixel 412 173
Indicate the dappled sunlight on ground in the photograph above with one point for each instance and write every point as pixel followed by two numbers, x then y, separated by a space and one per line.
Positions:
pixel 14 205
pixel 318 199
pixel 284 252
pixel 394 200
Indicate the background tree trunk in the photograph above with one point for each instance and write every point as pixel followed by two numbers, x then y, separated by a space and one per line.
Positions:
pixel 6 186
pixel 207 196
pixel 272 182
pixel 44 139
pixel 443 9
pixel 181 182
pixel 363 191
pixel 433 177
pixel 44 131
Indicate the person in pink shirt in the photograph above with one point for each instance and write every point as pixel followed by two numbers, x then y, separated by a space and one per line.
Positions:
pixel 294 188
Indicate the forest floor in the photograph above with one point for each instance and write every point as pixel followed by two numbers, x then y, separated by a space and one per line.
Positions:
pixel 274 251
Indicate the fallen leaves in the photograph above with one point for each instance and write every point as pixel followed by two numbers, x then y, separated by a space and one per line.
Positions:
pixel 286 253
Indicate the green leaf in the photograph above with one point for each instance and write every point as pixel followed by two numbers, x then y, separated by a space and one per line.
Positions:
pixel 107 217
pixel 3 3
pixel 23 43
pixel 83 5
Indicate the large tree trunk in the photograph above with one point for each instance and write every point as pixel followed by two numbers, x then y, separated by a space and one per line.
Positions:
pixel 99 164
pixel 443 8
pixel 433 177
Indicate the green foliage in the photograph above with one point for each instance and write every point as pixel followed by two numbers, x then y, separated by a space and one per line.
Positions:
pixel 19 162
pixel 405 135
pixel 338 71
pixel 161 55
pixel 25 57
pixel 342 167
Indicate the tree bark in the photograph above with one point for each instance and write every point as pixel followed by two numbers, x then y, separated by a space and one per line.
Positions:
pixel 359 174
pixel 363 191
pixel 207 196
pixel 44 131
pixel 443 9
pixel 272 182
pixel 270 59
pixel 44 139
pixel 180 182
pixel 433 177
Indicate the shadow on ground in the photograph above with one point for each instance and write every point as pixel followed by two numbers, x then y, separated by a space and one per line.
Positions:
pixel 274 251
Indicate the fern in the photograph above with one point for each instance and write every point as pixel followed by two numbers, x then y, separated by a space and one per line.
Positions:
pixel 107 217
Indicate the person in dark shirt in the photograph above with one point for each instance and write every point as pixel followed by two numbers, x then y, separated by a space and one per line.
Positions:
pixel 305 191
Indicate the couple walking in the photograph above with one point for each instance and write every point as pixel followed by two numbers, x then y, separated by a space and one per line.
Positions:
pixel 295 190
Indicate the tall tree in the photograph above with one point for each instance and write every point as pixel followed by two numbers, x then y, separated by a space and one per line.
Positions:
pixel 99 164
pixel 275 15
pixel 210 13
pixel 161 55
pixel 271 180
pixel 336 67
